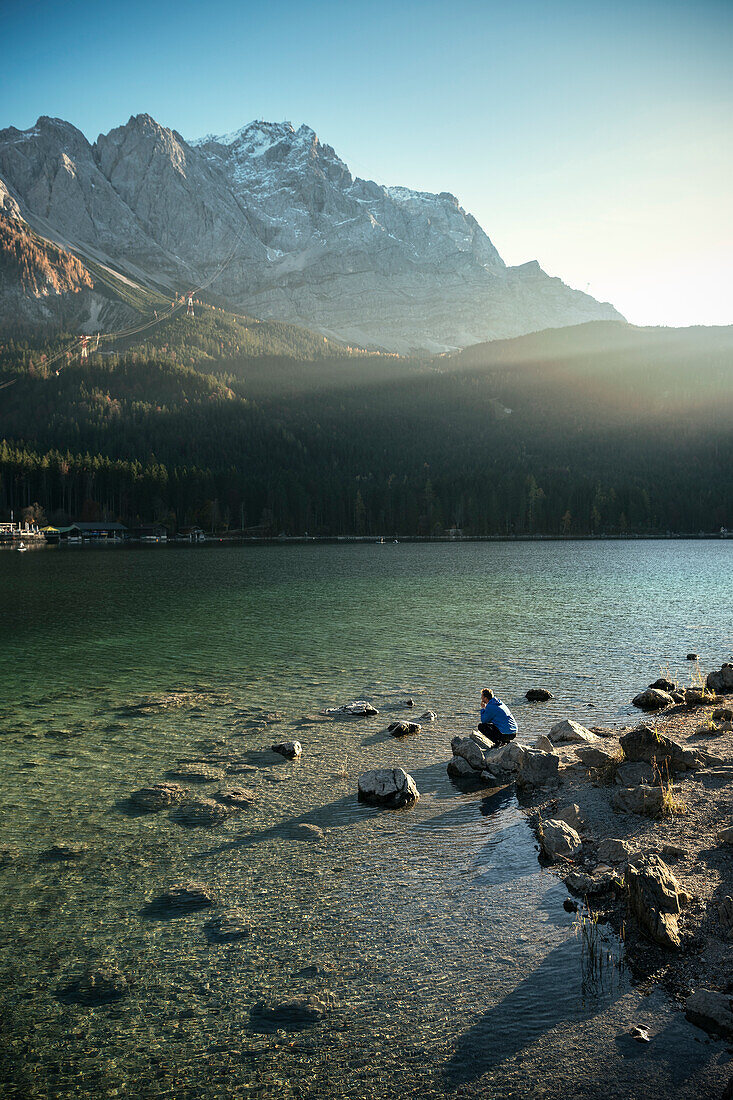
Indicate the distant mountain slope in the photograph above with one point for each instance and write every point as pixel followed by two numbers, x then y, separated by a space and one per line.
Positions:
pixel 276 223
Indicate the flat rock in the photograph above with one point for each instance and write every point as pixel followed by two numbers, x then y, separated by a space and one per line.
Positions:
pixel 638 800
pixel 95 986
pixel 202 811
pixel 538 695
pixel 652 699
pixel 558 839
pixel 646 744
pixel 291 1015
pixel 401 729
pixel 199 771
pixel 360 708
pixel 655 899
pixel 159 796
pixel 391 787
pixel 567 731
pixel 230 925
pixel 289 749
pixel 711 1011
pixel 236 796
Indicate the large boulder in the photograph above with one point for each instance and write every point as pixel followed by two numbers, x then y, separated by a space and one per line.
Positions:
pixel 536 768
pixel 538 695
pixel 652 699
pixel 559 840
pixel 639 800
pixel 597 756
pixel 360 708
pixel 391 787
pixel 721 682
pixel 474 749
pixel 655 898
pixel 648 745
pixel 571 733
pixel 711 1011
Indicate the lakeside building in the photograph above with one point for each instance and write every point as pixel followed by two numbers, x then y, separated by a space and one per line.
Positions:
pixel 87 532
pixel 191 534
pixel 151 532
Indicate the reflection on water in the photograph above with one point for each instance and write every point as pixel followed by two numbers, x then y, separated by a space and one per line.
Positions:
pixel 443 950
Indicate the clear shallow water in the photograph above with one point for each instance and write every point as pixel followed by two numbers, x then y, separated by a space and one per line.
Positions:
pixel 454 969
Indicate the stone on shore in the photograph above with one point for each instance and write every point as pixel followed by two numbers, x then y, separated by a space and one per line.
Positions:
pixel 538 695
pixel 537 767
pixel 390 787
pixel 722 714
pixel 570 814
pixel 360 708
pixel 96 986
pixel 474 749
pixel 634 774
pixel 726 835
pixel 585 885
pixel 569 732
pixel 613 851
pixel 291 1015
pixel 544 744
pixel 199 771
pixel 289 749
pixel 652 699
pixel 202 811
pixel 655 899
pixel 401 729
pixel 638 800
pixel 597 756
pixel 721 682
pixel 664 684
pixel 159 796
pixel 711 1011
pixel 559 840
pixel 647 745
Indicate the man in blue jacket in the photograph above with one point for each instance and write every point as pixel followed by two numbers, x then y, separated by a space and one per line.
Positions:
pixel 497 721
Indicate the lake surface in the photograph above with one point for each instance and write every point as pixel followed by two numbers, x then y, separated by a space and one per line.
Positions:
pixel 440 943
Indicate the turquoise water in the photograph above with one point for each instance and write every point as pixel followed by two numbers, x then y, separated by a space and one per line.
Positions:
pixel 441 945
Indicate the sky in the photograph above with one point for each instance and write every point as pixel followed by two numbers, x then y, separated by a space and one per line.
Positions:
pixel 594 137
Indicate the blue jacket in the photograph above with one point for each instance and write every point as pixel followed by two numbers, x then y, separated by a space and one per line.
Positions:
pixel 495 711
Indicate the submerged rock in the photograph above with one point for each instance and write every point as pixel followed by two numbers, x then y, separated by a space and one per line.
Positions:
pixel 655 898
pixel 96 985
pixel 652 699
pixel 160 796
pixel 289 749
pixel 236 796
pixel 569 732
pixel 202 811
pixel 199 771
pixel 291 1015
pixel 305 831
pixel 65 850
pixel 358 709
pixel 538 695
pixel 228 926
pixel 711 1011
pixel 182 898
pixel 401 729
pixel 559 840
pixel 648 745
pixel 391 787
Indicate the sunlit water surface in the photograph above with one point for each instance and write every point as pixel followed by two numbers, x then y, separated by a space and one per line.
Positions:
pixel 450 963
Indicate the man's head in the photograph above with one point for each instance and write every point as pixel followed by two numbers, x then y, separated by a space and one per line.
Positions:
pixel 486 694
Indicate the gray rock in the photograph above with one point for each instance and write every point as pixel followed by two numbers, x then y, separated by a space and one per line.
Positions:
pixel 228 926
pixel 696 697
pixel 638 800
pixel 202 811
pixel 725 915
pixel 358 709
pixel 96 985
pixel 640 1034
pixel 664 684
pixel 597 756
pixel 291 1015
pixel 613 851
pixel 570 732
pixel 570 814
pixel 536 767
pixel 634 774
pixel 429 716
pixel 401 729
pixel 66 850
pixel 721 682
pixel 586 886
pixel 559 840
pixel 711 1011
pixel 391 787
pixel 160 796
pixel 652 699
pixel 544 744
pixel 289 749
pixel 474 749
pixel 722 714
pixel 200 771
pixel 458 768
pixel 726 835
pixel 655 899
pixel 183 898
pixel 647 744
pixel 538 695
pixel 237 796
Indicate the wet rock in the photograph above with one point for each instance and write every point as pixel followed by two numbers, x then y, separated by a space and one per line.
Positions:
pixel 652 699
pixel 96 985
pixel 586 886
pixel 429 716
pixel 559 840
pixel 358 709
pixel 304 831
pixel 570 906
pixel 722 714
pixel 474 749
pixel 613 851
pixel 570 814
pixel 291 1015
pixel 538 695
pixel 597 756
pixel 655 899
pixel 693 656
pixel 721 682
pixel 711 1011
pixel 228 926
pixel 65 850
pixel 8 856
pixel 236 796
pixel 181 898
pixel 640 1034
pixel 458 768
pixel 401 729
pixel 663 684
pixel 288 749
pixel 638 800
pixel 634 774
pixel 536 767
pixel 569 732
pixel 725 916
pixel 726 835
pixel 544 744
pixel 648 745
pixel 202 811
pixel 409 703
pixel 199 771
pixel 391 787
pixel 160 796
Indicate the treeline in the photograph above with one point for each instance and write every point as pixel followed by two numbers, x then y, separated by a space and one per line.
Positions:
pixel 374 445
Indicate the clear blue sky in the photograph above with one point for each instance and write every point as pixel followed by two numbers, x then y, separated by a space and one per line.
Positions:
pixel 594 137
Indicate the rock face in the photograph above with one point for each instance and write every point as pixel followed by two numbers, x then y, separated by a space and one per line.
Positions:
pixel 711 1011
pixel 391 787
pixel 652 699
pixel 655 899
pixel 401 729
pixel 721 682
pixel 569 732
pixel 313 245
pixel 646 745
pixel 558 839
pixel 161 796
pixel 538 695
pixel 288 749
pixel 358 709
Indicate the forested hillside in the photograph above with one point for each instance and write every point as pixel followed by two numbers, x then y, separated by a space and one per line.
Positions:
pixel 601 428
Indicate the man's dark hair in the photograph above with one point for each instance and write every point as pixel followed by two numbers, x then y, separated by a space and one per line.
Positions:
pixel 487 693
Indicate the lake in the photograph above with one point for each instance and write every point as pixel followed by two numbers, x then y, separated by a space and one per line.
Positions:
pixel 439 944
